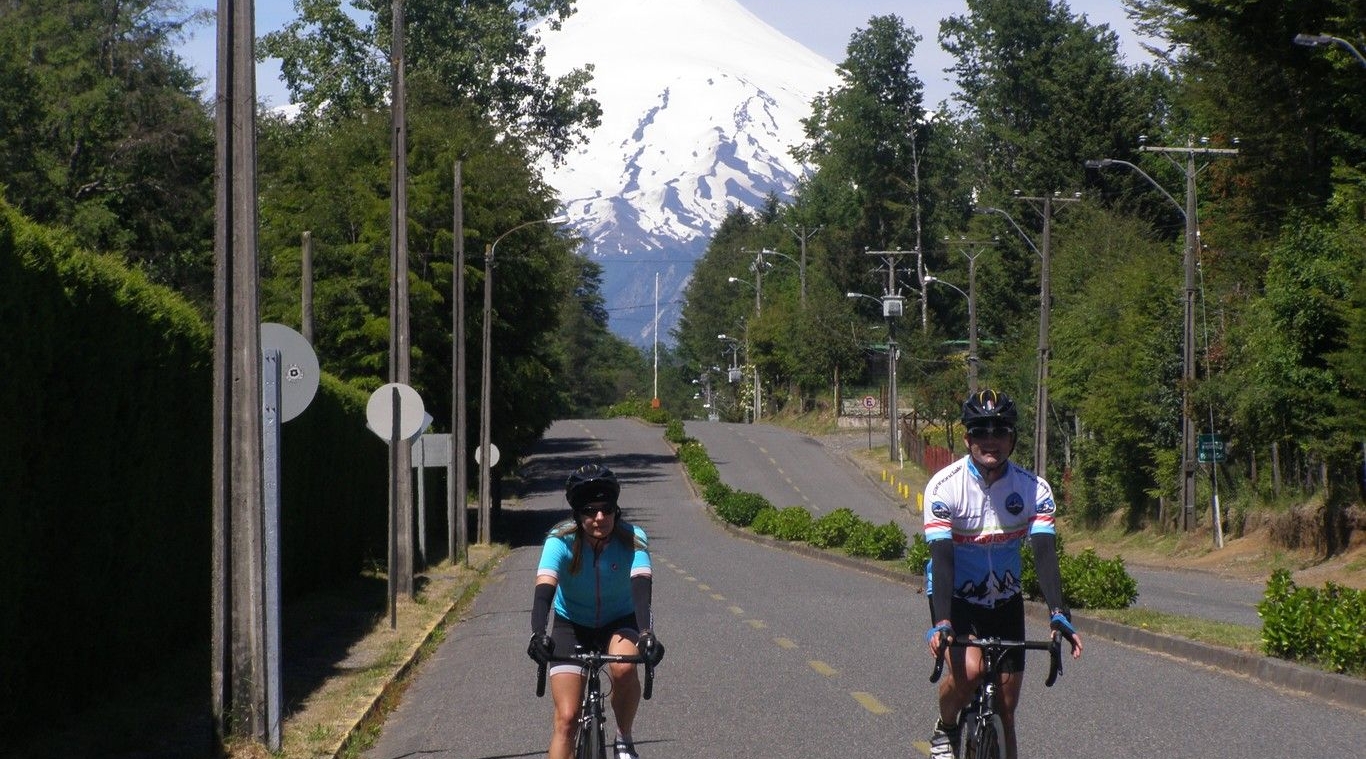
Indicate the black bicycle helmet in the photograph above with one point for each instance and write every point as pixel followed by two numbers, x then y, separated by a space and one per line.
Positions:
pixel 988 406
pixel 591 483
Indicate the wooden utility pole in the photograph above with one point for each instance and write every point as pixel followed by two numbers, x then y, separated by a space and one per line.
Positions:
pixel 238 667
pixel 1192 240
pixel 1045 312
pixel 458 485
pixel 401 548
pixel 306 287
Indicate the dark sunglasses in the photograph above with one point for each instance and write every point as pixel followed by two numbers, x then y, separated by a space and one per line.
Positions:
pixel 590 510
pixel 982 433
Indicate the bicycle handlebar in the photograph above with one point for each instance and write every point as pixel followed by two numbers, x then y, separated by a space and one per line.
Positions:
pixel 594 660
pixel 993 645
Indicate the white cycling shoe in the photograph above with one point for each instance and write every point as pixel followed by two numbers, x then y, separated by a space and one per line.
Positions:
pixel 623 750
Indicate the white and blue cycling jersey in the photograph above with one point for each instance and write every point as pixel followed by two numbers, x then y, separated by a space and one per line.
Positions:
pixel 987 524
pixel 600 591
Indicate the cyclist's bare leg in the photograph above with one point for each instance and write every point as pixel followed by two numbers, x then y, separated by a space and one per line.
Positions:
pixel 625 683
pixel 1007 697
pixel 566 688
pixel 959 681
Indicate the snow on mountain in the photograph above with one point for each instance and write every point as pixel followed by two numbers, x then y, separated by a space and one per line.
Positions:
pixel 701 103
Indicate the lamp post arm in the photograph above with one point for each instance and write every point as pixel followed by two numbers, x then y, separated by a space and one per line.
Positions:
pixel 1102 163
pixel 1318 40
pixel 1025 237
pixel 950 285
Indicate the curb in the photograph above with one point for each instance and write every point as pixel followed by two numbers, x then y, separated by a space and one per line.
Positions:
pixel 1340 690
pixel 398 679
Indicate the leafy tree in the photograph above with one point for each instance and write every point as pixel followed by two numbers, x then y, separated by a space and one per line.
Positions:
pixel 106 135
pixel 479 54
pixel 598 368
pixel 1117 362
pixel 867 138
pixel 333 182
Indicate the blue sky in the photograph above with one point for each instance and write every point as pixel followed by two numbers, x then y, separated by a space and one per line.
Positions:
pixel 822 25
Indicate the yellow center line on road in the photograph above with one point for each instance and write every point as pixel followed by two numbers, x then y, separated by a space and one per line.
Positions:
pixel 823 668
pixel 871 703
pixel 921 746
pixel 717 597
pixel 785 642
pixel 690 578
pixel 757 624
pixel 703 587
pixel 737 611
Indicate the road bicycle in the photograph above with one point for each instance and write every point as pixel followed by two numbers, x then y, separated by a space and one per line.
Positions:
pixel 591 741
pixel 983 732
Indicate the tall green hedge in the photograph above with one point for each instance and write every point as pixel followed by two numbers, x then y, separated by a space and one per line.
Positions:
pixel 105 478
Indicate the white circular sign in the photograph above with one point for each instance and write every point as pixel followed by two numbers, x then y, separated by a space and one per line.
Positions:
pixel 379 411
pixel 869 401
pixel 299 371
pixel 493 454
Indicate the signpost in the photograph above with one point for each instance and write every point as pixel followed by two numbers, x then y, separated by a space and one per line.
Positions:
pixel 1211 449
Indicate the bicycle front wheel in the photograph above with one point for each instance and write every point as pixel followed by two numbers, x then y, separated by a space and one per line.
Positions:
pixel 590 744
pixel 991 740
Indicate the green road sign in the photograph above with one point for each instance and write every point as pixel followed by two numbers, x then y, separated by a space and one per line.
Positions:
pixel 1210 448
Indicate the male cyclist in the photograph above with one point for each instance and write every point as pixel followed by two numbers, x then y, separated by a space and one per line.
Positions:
pixel 978 512
pixel 595 570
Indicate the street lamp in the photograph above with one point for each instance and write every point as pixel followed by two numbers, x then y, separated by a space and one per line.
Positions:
pixel 801 269
pixel 972 318
pixel 892 305
pixel 1321 40
pixel 1045 310
pixel 1188 458
pixel 734 375
pixel 486 380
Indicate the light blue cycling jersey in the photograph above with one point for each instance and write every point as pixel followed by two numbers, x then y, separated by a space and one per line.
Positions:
pixel 987 526
pixel 601 590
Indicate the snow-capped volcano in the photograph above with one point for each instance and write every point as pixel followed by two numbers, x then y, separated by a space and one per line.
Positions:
pixel 701 103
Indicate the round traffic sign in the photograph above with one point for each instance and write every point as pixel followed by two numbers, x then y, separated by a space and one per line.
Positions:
pixel 298 368
pixel 379 411
pixel 493 454
pixel 869 401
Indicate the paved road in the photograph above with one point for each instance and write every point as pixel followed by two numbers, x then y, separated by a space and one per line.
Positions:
pixel 773 654
pixel 789 467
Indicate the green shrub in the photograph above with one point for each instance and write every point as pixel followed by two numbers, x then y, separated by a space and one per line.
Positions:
pixel 765 522
pixel 1090 582
pixel 630 407
pixel 792 523
pixel 917 553
pixel 699 466
pixel 656 415
pixel 831 530
pixel 871 541
pixel 1325 625
pixel 739 508
pixel 715 493
pixel 674 433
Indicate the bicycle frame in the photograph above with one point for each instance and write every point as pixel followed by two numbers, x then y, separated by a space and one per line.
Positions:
pixel 591 741
pixel 983 736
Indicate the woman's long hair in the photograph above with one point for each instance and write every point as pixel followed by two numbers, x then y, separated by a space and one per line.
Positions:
pixel 622 531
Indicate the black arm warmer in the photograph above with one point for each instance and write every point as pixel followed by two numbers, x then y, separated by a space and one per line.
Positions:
pixel 941 562
pixel 642 588
pixel 1046 567
pixel 540 607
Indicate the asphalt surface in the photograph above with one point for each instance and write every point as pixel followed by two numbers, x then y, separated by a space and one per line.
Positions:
pixel 774 654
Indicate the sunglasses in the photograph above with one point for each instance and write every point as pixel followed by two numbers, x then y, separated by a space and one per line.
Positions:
pixel 983 433
pixel 588 511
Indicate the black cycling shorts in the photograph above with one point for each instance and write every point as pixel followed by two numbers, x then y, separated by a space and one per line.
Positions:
pixel 1006 620
pixel 567 635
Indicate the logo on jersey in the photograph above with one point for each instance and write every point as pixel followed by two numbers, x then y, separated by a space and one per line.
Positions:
pixel 941 510
pixel 1014 504
pixel 1047 507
